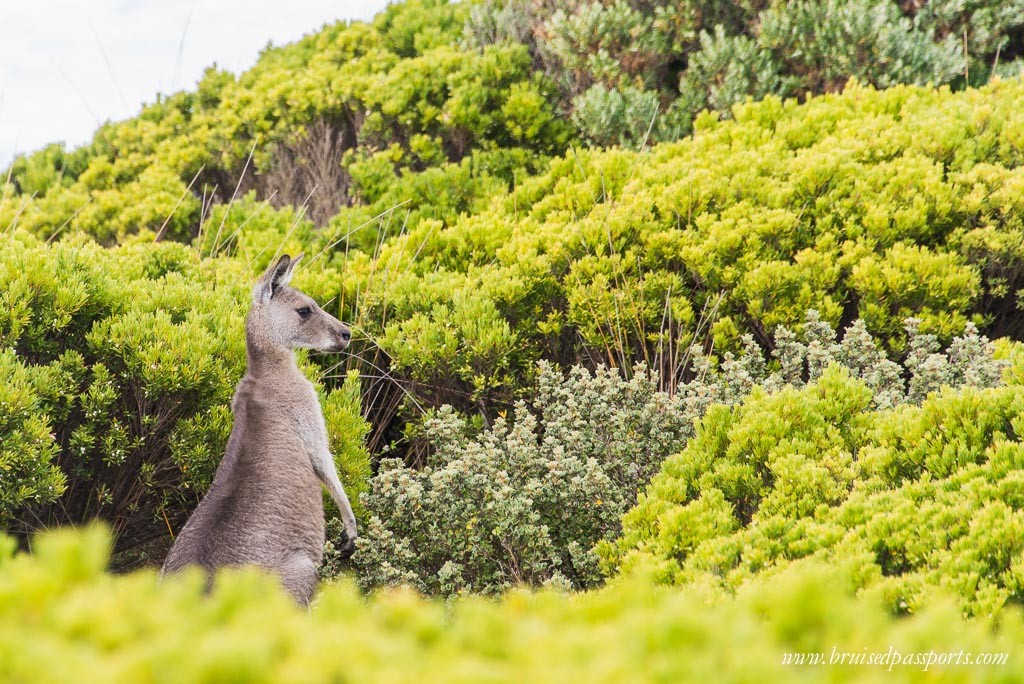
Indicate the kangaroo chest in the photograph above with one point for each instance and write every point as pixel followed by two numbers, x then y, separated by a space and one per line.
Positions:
pixel 283 432
pixel 308 420
pixel 294 412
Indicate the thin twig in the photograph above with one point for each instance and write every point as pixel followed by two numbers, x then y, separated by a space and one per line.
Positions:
pixel 68 220
pixel 160 233
pixel 216 239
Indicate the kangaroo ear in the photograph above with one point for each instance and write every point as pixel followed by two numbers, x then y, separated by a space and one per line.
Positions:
pixel 291 268
pixel 275 277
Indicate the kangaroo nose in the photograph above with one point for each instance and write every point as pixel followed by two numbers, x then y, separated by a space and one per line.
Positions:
pixel 346 334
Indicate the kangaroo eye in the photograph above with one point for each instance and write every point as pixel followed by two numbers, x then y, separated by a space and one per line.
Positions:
pixel 304 311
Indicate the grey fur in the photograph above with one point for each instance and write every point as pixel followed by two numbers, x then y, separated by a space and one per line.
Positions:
pixel 265 505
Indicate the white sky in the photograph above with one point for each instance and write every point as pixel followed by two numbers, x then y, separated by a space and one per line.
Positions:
pixel 66 66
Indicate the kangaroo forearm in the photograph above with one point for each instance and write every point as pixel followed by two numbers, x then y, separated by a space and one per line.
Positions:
pixel 323 466
pixel 341 499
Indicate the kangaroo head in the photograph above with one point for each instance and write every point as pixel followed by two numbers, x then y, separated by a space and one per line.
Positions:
pixel 283 317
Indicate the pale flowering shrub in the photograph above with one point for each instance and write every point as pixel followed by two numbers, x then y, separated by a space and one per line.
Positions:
pixel 527 500
pixel 969 360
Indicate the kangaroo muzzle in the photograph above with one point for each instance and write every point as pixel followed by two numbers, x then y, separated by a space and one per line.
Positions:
pixel 342 338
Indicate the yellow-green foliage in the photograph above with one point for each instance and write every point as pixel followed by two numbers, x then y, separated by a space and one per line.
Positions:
pixel 28 448
pixel 62 619
pixel 878 205
pixel 911 501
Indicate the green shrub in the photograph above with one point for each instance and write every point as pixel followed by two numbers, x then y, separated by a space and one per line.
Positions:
pixel 27 448
pixel 608 117
pixel 824 44
pixel 47 168
pixel 622 257
pixel 61 617
pixel 254 231
pixel 322 124
pixel 912 500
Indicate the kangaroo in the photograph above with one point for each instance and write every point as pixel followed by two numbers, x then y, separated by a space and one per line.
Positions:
pixel 265 506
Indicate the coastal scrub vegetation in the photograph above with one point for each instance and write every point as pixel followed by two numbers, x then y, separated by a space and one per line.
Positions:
pixel 700 319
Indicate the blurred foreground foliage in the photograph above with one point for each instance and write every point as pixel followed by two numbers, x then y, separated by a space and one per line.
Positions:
pixel 62 618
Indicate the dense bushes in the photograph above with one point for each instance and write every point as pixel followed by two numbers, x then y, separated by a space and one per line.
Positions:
pixel 436 107
pixel 27 449
pixel 909 500
pixel 117 368
pixel 873 205
pixel 526 502
pixel 61 618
